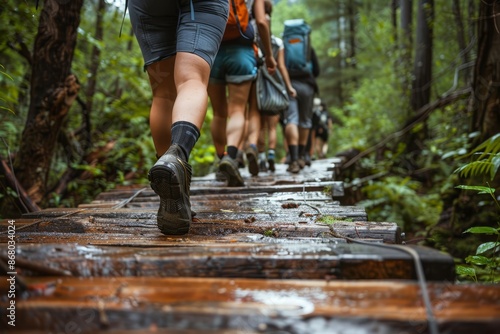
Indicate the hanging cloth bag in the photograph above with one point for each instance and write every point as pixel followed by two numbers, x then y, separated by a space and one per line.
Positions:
pixel 272 97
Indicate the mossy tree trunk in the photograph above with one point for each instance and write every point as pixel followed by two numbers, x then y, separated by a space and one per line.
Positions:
pixel 53 90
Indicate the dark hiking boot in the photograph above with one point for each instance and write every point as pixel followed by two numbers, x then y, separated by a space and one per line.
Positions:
pixel 229 167
pixel 272 166
pixel 301 162
pixel 219 176
pixel 263 166
pixel 170 178
pixel 240 160
pixel 294 167
pixel 253 165
pixel 307 159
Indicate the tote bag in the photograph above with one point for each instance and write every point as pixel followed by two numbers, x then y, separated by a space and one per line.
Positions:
pixel 272 97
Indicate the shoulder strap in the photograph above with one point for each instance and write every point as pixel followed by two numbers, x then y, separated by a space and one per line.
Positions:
pixel 123 19
pixel 235 12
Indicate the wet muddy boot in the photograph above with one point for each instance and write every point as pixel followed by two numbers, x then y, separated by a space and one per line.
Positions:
pixel 170 178
pixel 240 160
pixel 229 167
pixel 253 164
pixel 294 167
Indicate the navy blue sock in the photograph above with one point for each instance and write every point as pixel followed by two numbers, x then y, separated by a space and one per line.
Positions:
pixel 185 134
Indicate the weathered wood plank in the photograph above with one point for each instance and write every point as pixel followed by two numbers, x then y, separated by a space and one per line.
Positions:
pixel 223 209
pixel 218 305
pixel 334 188
pixel 334 260
pixel 278 225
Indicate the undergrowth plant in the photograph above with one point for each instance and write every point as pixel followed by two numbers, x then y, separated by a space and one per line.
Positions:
pixel 484 265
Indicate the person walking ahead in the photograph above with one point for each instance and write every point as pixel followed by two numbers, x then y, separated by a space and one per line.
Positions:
pixel 231 78
pixel 303 68
pixel 179 40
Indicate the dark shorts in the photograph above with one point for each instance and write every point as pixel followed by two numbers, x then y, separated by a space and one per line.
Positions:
pixel 322 133
pixel 300 109
pixel 165 27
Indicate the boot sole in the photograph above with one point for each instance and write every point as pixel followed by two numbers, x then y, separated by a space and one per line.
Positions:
pixel 174 214
pixel 232 175
pixel 253 165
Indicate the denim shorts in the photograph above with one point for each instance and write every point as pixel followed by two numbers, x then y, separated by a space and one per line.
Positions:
pixel 165 27
pixel 300 109
pixel 235 63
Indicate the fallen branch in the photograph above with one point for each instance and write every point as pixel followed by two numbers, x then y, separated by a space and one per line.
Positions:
pixel 23 198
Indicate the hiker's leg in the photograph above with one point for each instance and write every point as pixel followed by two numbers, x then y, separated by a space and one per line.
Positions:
pixel 217 93
pixel 164 94
pixel 237 103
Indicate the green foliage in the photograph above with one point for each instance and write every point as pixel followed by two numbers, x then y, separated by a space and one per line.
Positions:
pixel 487 161
pixel 4 99
pixel 484 265
pixel 397 199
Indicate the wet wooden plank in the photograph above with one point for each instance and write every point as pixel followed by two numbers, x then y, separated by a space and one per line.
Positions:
pixel 334 188
pixel 197 200
pixel 278 225
pixel 336 259
pixel 222 209
pixel 219 305
pixel 236 202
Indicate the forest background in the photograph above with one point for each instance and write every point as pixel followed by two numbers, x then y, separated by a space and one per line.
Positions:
pixel 412 84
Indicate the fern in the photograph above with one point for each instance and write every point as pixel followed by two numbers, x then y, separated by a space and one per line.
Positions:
pixel 487 162
pixel 485 264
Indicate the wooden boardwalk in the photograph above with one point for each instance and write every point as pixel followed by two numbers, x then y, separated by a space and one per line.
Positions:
pixel 280 255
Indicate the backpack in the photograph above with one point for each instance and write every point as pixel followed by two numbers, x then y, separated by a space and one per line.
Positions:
pixel 297 43
pixel 238 21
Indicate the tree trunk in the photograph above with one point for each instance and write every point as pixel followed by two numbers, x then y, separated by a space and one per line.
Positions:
pixel 351 16
pixel 421 90
pixel 486 98
pixel 406 43
pixel 53 90
pixel 406 6
pixel 421 85
pixel 94 68
pixel 462 44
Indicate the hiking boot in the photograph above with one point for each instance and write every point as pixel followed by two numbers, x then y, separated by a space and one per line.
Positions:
pixel 294 167
pixel 301 162
pixel 307 159
pixel 272 166
pixel 170 178
pixel 253 165
pixel 229 167
pixel 288 159
pixel 263 166
pixel 240 160
pixel 220 176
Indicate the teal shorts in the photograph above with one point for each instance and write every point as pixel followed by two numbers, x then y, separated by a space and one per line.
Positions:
pixel 235 63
